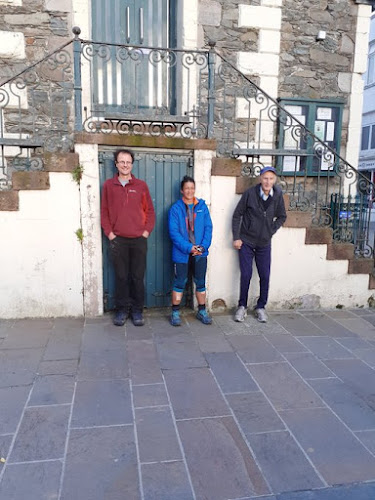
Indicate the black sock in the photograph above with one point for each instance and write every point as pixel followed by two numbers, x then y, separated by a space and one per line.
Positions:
pixel 201 307
pixel 175 308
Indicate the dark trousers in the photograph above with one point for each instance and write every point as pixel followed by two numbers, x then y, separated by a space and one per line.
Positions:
pixel 263 262
pixel 129 261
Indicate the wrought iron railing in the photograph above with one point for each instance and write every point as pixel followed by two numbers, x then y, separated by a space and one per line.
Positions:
pixel 119 89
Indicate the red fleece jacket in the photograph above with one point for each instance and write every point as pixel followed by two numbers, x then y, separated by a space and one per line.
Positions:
pixel 127 210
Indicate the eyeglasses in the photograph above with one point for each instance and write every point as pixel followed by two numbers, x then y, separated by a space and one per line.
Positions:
pixel 124 162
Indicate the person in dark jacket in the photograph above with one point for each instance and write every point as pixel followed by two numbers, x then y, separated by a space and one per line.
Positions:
pixel 190 229
pixel 128 217
pixel 258 215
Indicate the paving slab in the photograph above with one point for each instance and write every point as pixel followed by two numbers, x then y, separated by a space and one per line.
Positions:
pixel 326 348
pixel 354 343
pixel 194 393
pixel 12 403
pixel 19 366
pixel 58 367
pixel 235 473
pixel 33 481
pixel 283 463
pixel 366 355
pixel 333 449
pixel 307 365
pixel 296 324
pixel 285 343
pixel 167 481
pixel 111 364
pixel 358 326
pixel 180 354
pixel 52 390
pixel 102 402
pixel 42 434
pixel 101 464
pixel 157 438
pixel 5 442
pixel 143 362
pixel 254 413
pixel 328 325
pixel 353 492
pixel 149 395
pixel 283 386
pixel 350 408
pixel 254 349
pixel 230 373
pixel 368 439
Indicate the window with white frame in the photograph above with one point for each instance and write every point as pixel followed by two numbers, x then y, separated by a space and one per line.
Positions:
pixel 371 66
pixel 368 137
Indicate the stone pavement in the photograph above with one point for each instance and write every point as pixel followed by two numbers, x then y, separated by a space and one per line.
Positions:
pixel 283 411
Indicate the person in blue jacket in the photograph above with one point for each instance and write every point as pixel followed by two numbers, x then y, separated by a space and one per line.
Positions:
pixel 190 229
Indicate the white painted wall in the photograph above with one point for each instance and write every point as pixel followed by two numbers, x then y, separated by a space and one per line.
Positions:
pixel 298 271
pixel 41 274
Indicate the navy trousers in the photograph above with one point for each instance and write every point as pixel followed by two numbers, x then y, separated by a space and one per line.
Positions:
pixel 262 256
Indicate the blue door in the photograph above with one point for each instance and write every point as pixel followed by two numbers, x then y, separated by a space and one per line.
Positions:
pixel 163 174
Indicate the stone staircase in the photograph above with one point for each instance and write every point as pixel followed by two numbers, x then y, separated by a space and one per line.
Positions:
pixel 38 180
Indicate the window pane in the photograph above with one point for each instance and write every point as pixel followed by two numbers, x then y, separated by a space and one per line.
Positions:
pixel 365 137
pixel 371 69
pixel 373 137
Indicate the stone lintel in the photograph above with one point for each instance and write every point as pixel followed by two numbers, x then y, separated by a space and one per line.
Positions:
pixel 144 141
pixel 30 180
pixel 9 201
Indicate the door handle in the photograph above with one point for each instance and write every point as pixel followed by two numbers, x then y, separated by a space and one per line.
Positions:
pixel 141 26
pixel 127 24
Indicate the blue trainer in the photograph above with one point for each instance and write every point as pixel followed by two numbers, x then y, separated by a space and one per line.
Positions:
pixel 175 318
pixel 120 317
pixel 204 317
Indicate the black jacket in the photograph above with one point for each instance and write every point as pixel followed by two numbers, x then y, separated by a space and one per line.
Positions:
pixel 254 225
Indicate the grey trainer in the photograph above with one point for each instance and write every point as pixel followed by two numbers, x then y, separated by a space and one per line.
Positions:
pixel 240 314
pixel 261 315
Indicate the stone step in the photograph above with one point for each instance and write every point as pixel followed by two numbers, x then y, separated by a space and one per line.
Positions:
pixel 371 282
pixel 60 162
pixel 298 219
pixel 9 201
pixel 340 251
pixel 318 236
pixel 361 266
pixel 30 180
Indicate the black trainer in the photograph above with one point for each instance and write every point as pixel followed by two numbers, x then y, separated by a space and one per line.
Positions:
pixel 120 317
pixel 137 318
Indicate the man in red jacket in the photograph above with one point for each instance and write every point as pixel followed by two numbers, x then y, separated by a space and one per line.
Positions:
pixel 128 217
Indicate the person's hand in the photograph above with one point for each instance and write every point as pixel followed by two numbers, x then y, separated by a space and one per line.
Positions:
pixel 237 244
pixel 145 234
pixel 111 236
pixel 194 251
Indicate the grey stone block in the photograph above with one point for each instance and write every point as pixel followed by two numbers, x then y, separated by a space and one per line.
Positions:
pixel 254 349
pixel 179 354
pixel 157 439
pixel 307 365
pixel 334 451
pixel 230 373
pixel 101 464
pixel 144 362
pixel 12 403
pixel 328 325
pixel 103 365
pixel 149 395
pixel 254 413
pixel 18 366
pixel 235 474
pixel 58 367
pixel 42 434
pixel 285 343
pixel 52 389
pixel 104 402
pixel 34 481
pixel 350 408
pixel 296 324
pixel 283 386
pixel 326 348
pixel 283 463
pixel 167 481
pixel 194 393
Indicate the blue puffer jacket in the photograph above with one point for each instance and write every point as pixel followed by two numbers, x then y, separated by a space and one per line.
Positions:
pixel 178 229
